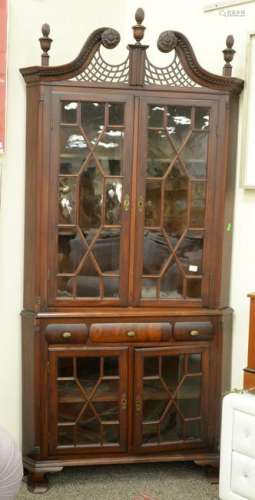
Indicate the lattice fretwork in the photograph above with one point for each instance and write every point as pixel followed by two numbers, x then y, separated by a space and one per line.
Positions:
pixel 99 70
pixel 173 75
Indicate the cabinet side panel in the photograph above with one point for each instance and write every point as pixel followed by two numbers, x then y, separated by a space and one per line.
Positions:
pixel 229 204
pixel 31 194
pixel 28 383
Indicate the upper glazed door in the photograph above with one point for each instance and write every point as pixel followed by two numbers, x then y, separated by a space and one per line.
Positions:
pixel 176 168
pixel 89 213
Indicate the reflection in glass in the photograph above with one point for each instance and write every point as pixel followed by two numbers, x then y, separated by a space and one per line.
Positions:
pixel 111 434
pixel 107 250
pixel 67 187
pixel 160 153
pixel 113 194
pixel 91 197
pixel 153 409
pixel 151 366
pixel 197 209
pixel 194 288
pixel 69 112
pixel 176 201
pixel 155 252
pixel 109 151
pixel 69 392
pixel 111 366
pixel 150 433
pixel 171 284
pixel 92 120
pixel 202 116
pixel 152 203
pixel 172 370
pixel 65 435
pixel 189 396
pixel 88 372
pixel 107 410
pixel 171 427
pixel 116 113
pixel 194 154
pixel 64 287
pixel 68 412
pixel 65 367
pixel 178 123
pixel 193 430
pixel 149 288
pixel 156 116
pixel 71 248
pixel 190 252
pixel 111 286
pixel 73 150
pixel 87 429
pixel 107 389
pixel 194 363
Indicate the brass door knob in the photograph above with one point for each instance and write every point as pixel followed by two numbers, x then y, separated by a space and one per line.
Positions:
pixel 131 334
pixel 66 335
pixel 194 333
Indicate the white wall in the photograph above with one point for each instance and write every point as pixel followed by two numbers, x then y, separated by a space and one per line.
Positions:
pixel 71 23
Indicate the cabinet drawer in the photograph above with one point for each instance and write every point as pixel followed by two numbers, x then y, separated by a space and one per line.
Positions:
pixel 193 330
pixel 65 333
pixel 130 332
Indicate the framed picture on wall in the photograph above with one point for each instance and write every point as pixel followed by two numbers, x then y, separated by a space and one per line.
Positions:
pixel 248 143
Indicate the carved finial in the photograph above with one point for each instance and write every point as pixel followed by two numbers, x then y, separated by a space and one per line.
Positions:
pixel 138 29
pixel 229 53
pixel 45 42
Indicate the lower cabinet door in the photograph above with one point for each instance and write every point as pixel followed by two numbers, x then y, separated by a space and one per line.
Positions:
pixel 87 399
pixel 171 398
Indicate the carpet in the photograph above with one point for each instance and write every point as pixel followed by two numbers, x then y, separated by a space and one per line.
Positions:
pixel 172 481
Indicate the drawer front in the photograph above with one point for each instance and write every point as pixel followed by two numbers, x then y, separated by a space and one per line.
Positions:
pixel 193 330
pixel 65 333
pixel 130 332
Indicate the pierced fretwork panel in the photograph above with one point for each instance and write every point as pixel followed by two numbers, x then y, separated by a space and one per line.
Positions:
pixel 175 202
pixel 173 75
pixel 172 399
pixel 99 70
pixel 90 199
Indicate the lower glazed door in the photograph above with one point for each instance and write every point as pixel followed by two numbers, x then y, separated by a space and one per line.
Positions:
pixel 171 398
pixel 88 399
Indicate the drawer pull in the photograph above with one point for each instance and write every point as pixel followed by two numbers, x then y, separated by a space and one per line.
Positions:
pixel 194 333
pixel 66 335
pixel 131 334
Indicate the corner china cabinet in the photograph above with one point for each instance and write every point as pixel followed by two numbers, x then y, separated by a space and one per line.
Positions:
pixel 130 174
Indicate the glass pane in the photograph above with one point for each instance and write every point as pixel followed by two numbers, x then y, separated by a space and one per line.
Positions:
pixel 71 249
pixel 197 209
pixel 189 397
pixel 154 389
pixel 194 363
pixel 156 115
pixel 202 117
pixel 113 195
pixel 116 113
pixel 87 286
pixel 160 153
pixel 151 366
pixel 150 433
pixel 155 252
pixel 69 412
pixel 67 200
pixel 172 370
pixel 111 286
pixel 107 411
pixel 171 427
pixel 69 392
pixel 152 203
pixel 149 288
pixel 176 202
pixel 108 390
pixel 90 197
pixel 171 284
pixel 66 435
pixel 194 288
pixel 88 429
pixel 111 366
pixel 193 429
pixel 109 151
pixel 69 112
pixel 65 367
pixel 178 123
pixel 107 250
pixel 153 410
pixel 65 287
pixel 111 434
pixel 88 372
pixel 194 154
pixel 92 119
pixel 73 150
pixel 190 252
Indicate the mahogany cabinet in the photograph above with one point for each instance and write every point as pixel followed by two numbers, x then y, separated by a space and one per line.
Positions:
pixel 130 173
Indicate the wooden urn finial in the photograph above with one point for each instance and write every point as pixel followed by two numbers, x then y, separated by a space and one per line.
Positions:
pixel 45 42
pixel 138 29
pixel 229 53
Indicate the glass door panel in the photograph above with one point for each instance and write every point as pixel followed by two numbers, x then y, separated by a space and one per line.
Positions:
pixel 91 399
pixel 174 183
pixel 94 171
pixel 170 403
